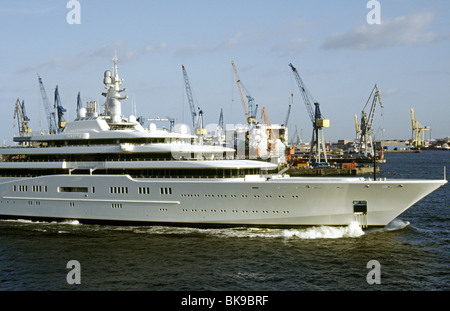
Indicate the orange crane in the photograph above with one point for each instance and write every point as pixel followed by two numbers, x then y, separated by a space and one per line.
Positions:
pixel 269 129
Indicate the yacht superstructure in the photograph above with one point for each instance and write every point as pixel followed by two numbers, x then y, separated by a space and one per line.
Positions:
pixel 103 167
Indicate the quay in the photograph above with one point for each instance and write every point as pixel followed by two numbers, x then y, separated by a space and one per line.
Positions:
pixel 331 171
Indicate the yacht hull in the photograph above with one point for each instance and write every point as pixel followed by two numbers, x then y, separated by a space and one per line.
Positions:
pixel 255 200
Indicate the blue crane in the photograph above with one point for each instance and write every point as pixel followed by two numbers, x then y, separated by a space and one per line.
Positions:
pixel 317 141
pixel 197 118
pixel 59 110
pixel 51 119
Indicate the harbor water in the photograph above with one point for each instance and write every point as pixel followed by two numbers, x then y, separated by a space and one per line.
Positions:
pixel 412 252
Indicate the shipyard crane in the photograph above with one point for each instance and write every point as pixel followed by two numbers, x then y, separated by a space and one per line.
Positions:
pixel 364 130
pixel 60 110
pixel 51 119
pixel 318 122
pixel 418 132
pixel 197 118
pixel 250 108
pixel 22 118
pixel 269 129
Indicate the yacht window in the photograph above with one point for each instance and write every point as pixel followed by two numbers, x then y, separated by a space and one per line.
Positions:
pixel 72 189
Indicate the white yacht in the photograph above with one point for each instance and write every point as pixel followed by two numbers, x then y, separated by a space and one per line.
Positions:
pixel 104 168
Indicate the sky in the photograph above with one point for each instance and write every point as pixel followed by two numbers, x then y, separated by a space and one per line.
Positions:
pixel 339 55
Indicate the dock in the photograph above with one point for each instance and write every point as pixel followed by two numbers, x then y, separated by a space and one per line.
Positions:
pixel 331 171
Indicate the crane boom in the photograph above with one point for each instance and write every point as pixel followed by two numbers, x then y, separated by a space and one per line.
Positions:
pixel 376 98
pixel 189 95
pixel 286 120
pixel 241 92
pixel 51 120
pixel 250 108
pixel 307 97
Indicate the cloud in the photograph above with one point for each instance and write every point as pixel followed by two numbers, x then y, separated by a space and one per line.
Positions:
pixel 155 49
pixel 87 57
pixel 402 30
pixel 193 49
pixel 27 9
pixel 135 54
pixel 291 46
pixel 389 92
pixel 230 42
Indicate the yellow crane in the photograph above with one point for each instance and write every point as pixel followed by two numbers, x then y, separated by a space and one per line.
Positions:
pixel 418 132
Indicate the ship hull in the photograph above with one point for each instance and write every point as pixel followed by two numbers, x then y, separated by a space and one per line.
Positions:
pixel 250 201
